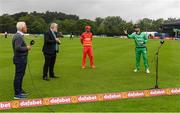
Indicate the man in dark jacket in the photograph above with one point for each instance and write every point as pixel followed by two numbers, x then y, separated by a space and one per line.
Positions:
pixel 20 50
pixel 50 49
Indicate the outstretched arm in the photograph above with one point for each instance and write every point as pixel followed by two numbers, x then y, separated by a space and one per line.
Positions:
pixel 129 36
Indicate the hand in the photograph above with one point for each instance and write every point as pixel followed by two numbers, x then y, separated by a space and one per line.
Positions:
pixel 125 32
pixel 29 47
pixel 57 40
pixel 142 42
pixel 59 43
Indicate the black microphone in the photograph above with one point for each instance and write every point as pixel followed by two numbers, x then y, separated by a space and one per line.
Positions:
pixel 32 42
pixel 162 42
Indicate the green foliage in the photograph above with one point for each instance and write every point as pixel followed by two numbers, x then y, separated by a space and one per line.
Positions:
pixel 71 24
pixel 7 24
pixel 35 24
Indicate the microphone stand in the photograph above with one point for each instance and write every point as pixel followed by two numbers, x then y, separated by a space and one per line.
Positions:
pixel 157 66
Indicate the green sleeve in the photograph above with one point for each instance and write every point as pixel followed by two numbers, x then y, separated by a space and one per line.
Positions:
pixel 145 38
pixel 131 36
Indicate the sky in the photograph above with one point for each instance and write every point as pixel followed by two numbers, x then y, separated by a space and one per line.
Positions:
pixel 130 10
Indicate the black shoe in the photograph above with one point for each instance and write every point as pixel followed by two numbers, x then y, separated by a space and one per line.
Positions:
pixel 19 97
pixel 54 77
pixel 46 79
pixel 23 93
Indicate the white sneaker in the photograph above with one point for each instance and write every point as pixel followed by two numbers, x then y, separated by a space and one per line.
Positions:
pixel 136 70
pixel 147 71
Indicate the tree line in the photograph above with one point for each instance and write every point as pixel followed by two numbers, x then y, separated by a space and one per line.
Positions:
pixel 38 23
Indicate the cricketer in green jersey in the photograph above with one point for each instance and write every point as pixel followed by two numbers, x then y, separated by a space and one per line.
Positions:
pixel 140 38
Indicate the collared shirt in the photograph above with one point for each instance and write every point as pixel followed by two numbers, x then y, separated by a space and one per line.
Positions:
pixel 21 33
pixel 53 33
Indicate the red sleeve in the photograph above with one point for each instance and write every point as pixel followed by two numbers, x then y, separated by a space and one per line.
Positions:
pixel 82 37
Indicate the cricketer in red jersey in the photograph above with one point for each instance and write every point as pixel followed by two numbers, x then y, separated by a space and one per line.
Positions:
pixel 86 41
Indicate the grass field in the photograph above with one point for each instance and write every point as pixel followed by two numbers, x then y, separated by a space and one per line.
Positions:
pixel 114 60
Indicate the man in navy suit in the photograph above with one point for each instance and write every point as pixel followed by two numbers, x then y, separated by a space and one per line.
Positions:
pixel 50 49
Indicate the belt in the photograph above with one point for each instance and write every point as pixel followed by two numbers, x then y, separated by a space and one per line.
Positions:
pixel 141 47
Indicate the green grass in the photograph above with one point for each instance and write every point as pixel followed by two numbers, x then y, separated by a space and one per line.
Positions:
pixel 114 60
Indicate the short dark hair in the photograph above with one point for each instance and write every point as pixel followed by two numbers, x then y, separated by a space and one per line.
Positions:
pixel 136 26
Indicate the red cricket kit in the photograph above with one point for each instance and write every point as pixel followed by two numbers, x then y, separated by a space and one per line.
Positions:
pixel 86 40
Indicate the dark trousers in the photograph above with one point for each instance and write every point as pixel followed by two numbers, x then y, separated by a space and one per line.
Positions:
pixel 49 65
pixel 20 68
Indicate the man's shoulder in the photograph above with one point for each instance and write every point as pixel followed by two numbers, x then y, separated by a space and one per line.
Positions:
pixel 17 36
pixel 85 33
pixel 143 33
pixel 47 33
pixel 134 33
pixel 82 34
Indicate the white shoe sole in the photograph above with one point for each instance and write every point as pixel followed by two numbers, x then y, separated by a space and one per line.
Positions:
pixel 22 98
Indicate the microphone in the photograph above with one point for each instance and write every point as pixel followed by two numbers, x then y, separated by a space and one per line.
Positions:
pixel 162 42
pixel 32 42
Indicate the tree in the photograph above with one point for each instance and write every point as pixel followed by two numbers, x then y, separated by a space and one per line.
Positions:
pixel 111 26
pixel 157 24
pixel 80 25
pixel 35 24
pixel 146 24
pixel 67 26
pixel 114 25
pixel 38 26
pixel 7 24
pixel 100 25
pixel 52 16
pixel 18 15
pixel 129 26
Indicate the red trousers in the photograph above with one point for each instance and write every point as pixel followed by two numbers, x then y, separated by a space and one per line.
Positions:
pixel 88 51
